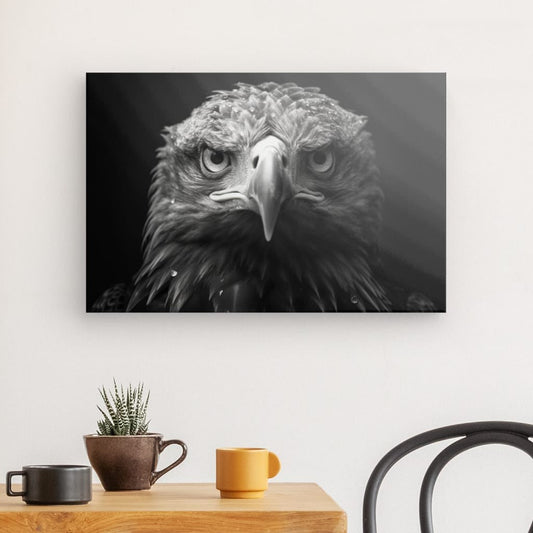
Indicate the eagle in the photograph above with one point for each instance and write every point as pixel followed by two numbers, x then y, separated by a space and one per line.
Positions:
pixel 267 198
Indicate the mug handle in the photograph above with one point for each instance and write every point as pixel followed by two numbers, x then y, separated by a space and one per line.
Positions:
pixel 274 465
pixel 9 476
pixel 162 445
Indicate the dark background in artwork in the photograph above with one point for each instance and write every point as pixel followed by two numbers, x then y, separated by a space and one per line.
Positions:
pixel 407 118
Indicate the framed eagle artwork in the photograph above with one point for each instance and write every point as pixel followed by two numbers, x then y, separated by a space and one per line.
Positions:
pixel 266 192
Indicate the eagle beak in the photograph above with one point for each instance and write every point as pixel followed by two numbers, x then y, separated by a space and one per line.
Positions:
pixel 270 184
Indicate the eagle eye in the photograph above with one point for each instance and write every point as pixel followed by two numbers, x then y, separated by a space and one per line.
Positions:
pixel 321 161
pixel 214 161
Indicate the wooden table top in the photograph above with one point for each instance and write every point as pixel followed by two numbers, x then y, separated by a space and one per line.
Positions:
pixel 182 507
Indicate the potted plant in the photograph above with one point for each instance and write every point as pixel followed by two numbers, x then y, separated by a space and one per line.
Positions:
pixel 122 452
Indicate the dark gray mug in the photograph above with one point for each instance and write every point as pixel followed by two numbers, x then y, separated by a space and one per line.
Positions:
pixel 52 484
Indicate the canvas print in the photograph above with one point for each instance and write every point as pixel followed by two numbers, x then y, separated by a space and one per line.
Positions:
pixel 266 192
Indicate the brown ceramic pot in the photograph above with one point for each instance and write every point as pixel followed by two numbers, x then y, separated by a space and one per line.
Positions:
pixel 129 462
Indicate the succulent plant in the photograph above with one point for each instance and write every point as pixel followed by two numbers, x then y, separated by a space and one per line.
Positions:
pixel 126 410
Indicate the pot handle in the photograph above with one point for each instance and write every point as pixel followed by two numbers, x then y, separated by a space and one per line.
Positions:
pixel 162 445
pixel 9 490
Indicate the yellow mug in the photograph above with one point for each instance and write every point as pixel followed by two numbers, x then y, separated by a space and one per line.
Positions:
pixel 244 472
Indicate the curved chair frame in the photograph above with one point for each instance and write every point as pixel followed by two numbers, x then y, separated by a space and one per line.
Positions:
pixel 474 434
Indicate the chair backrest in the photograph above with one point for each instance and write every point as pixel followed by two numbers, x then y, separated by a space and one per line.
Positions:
pixel 474 434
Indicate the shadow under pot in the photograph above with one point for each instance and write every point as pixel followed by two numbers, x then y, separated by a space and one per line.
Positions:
pixel 129 462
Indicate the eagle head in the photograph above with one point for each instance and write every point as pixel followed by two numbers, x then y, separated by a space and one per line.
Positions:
pixel 265 198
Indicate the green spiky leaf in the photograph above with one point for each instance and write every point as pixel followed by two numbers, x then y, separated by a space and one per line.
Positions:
pixel 125 410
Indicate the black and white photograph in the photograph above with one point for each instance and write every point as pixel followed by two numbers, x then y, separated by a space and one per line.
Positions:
pixel 266 266
pixel 266 192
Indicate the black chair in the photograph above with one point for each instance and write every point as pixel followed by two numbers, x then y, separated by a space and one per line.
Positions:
pixel 474 434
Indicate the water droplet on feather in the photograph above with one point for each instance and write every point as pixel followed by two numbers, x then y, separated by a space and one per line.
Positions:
pixel 354 299
pixel 173 273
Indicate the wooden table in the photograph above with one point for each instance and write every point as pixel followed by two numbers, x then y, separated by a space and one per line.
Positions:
pixel 183 507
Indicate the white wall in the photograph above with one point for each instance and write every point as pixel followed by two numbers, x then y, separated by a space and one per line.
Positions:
pixel 330 394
